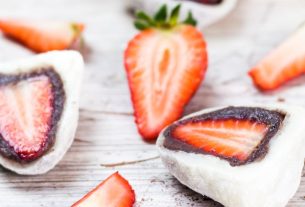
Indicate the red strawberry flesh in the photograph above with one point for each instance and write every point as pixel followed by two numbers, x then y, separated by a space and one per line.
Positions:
pixel 230 138
pixel 284 63
pixel 239 135
pixel 115 191
pixel 42 36
pixel 164 70
pixel 30 106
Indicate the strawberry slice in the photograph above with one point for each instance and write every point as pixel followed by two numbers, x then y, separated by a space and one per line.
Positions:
pixel 42 36
pixel 227 138
pixel 30 106
pixel 165 65
pixel 281 65
pixel 115 191
pixel 239 135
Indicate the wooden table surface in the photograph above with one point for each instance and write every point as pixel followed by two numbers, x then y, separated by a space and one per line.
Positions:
pixel 106 139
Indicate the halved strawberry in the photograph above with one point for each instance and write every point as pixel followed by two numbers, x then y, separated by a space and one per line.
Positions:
pixel 115 191
pixel 30 107
pixel 165 65
pixel 284 63
pixel 237 134
pixel 42 36
pixel 228 138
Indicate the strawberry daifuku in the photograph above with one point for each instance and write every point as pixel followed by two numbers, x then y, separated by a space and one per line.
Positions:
pixel 165 64
pixel 30 106
pixel 239 156
pixel 239 135
pixel 38 110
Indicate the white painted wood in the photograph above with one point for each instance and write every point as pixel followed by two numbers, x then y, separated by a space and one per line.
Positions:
pixel 107 133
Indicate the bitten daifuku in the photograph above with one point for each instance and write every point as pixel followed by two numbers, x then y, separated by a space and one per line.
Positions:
pixel 39 110
pixel 239 156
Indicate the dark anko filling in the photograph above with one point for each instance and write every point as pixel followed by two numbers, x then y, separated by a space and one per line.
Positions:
pixel 272 119
pixel 209 2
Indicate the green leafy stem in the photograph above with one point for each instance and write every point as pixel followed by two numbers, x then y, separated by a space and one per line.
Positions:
pixel 162 19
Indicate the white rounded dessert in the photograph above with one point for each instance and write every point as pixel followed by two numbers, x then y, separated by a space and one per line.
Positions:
pixel 69 65
pixel 205 14
pixel 268 182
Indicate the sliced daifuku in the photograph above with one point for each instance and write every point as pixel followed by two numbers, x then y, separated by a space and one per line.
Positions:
pixel 38 110
pixel 239 156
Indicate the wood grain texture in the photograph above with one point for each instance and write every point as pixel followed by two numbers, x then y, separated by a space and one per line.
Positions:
pixel 107 133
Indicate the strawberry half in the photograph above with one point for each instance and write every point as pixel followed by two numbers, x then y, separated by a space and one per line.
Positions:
pixel 30 107
pixel 281 65
pixel 42 36
pixel 165 64
pixel 237 134
pixel 115 191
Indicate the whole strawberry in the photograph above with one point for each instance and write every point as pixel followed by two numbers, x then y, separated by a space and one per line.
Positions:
pixel 165 64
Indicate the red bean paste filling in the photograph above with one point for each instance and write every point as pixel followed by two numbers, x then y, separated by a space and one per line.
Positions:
pixel 58 101
pixel 208 2
pixel 272 119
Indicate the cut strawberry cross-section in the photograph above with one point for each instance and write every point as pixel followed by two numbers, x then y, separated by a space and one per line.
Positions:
pixel 227 138
pixel 115 191
pixel 30 107
pixel 237 134
pixel 165 64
